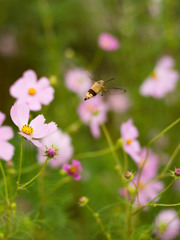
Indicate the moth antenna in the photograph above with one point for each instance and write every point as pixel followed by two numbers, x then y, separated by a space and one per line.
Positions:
pixel 110 79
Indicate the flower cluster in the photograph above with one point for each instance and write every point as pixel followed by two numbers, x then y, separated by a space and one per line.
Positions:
pixel 147 187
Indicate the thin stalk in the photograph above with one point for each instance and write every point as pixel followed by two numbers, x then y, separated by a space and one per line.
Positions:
pixel 5 184
pixel 59 184
pixel 115 156
pixel 97 153
pixel 147 204
pixel 36 176
pixel 98 220
pixel 153 140
pixel 171 160
pixel 20 163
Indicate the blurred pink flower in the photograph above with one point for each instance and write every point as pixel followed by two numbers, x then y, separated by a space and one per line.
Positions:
pixel 118 103
pixel 108 42
pixel 167 225
pixel 151 166
pixel 33 92
pixel 58 143
pixel 129 133
pixel 6 133
pixel 78 81
pixel 147 189
pixel 8 44
pixel 93 112
pixel 36 129
pixel 74 169
pixel 162 80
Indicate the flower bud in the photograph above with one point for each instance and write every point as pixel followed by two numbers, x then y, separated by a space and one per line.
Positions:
pixel 177 172
pixel 50 152
pixel 83 201
pixel 128 174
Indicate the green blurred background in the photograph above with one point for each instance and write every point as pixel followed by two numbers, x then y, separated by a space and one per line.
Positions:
pixel 54 36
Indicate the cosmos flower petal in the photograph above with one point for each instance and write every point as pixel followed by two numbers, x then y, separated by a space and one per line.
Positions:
pixel 128 130
pixel 37 123
pixel 19 114
pixel 37 143
pixel 2 118
pixel 45 129
pixel 6 133
pixel 7 150
pixel 77 176
pixel 30 78
pixel 61 142
pixel 34 105
pixel 19 90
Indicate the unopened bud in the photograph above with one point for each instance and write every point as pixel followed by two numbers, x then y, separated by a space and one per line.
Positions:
pixel 177 172
pixel 128 174
pixel 83 201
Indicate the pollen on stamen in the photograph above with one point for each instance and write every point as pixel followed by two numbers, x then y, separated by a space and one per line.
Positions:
pixel 154 75
pixel 128 141
pixel 31 91
pixel 73 169
pixel 27 129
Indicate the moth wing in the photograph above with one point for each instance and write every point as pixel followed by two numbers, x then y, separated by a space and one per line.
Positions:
pixel 115 90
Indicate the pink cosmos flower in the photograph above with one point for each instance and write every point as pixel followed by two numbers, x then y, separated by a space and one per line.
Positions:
pixel 167 225
pixel 108 42
pixel 118 103
pixel 74 169
pixel 162 80
pixel 129 133
pixel 151 166
pixel 78 81
pixel 33 92
pixel 6 133
pixel 36 129
pixel 58 146
pixel 93 112
pixel 147 189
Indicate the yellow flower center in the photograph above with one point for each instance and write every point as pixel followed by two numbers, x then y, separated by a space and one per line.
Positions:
pixel 27 129
pixel 154 75
pixel 73 169
pixel 140 185
pixel 129 141
pixel 31 91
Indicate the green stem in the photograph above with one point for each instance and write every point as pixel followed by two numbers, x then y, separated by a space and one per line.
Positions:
pixel 164 131
pixel 5 183
pixel 147 204
pixel 115 156
pixel 164 205
pixel 152 141
pixel 36 176
pixel 137 193
pixel 59 184
pixel 20 163
pixel 97 153
pixel 171 160
pixel 98 220
pixel 96 60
